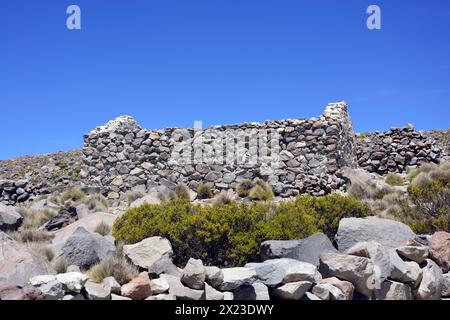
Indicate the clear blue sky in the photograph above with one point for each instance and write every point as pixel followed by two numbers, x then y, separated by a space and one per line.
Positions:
pixel 170 62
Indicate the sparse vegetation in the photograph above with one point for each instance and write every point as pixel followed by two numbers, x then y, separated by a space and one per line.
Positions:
pixel 43 249
pixel 60 265
pixel 96 203
pixel 243 188
pixel 394 179
pixel 35 218
pixel 182 192
pixel 221 199
pixel 102 228
pixel 261 191
pixel 73 195
pixel 204 191
pixel 31 235
pixel 133 196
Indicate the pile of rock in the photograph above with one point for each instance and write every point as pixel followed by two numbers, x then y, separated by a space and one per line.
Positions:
pixel 376 259
pixel 12 192
pixel 396 150
pixel 121 156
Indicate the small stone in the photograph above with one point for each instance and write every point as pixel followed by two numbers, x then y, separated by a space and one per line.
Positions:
pixel 414 253
pixel 159 285
pixel 214 276
pixel 138 288
pixel 292 291
pixel 96 291
pixel 194 274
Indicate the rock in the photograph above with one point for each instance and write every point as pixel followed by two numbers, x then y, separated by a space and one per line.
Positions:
pixel 82 211
pixel 214 276
pixel 42 279
pixel 310 297
pixel 52 290
pixel 97 291
pixel 236 277
pixel 62 219
pixel 85 249
pixel 378 254
pixel 228 296
pixel 407 272
pixel 159 285
pixel 292 290
pixel 163 265
pixel 212 294
pixel 150 198
pixel 118 297
pixel 276 271
pixel 73 268
pixel 160 297
pixel 446 285
pixel 145 253
pixel 391 290
pixel 139 288
pixel 44 204
pixel 19 263
pixel 414 253
pixel 326 291
pixel 194 274
pixel 10 219
pixel 388 233
pixel 430 287
pixel 357 270
pixel 255 291
pixel 307 250
pixel 14 292
pixel 76 297
pixel 181 292
pixel 112 284
pixel 347 288
pixel 72 281
pixel 439 249
pixel 89 223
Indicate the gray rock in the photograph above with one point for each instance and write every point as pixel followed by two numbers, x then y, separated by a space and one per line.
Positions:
pixel 73 268
pixel 10 219
pixel 276 271
pixel 62 219
pixel 228 296
pixel 19 263
pixel 414 253
pixel 307 250
pixel 214 276
pixel 388 233
pixel 145 253
pixel 72 281
pixel 213 294
pixel 161 297
pixel 194 274
pixel 391 290
pixel 75 296
pixel 27 292
pixel 163 265
pixel 430 287
pixel 446 285
pixel 86 249
pixel 113 284
pixel 236 277
pixel 407 272
pixel 97 291
pixel 255 291
pixel 292 290
pixel 52 290
pixel 311 297
pixel 159 285
pixel 326 291
pixel 181 292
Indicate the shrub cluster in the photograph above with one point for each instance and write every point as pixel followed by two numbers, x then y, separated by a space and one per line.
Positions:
pixel 230 234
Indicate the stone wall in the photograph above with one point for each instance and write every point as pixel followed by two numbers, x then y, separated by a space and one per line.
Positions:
pixel 294 156
pixel 396 150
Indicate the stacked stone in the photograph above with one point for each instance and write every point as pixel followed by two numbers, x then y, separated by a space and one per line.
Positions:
pixel 396 150
pixel 12 192
pixel 121 156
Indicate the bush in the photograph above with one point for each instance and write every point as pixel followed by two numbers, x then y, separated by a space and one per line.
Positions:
pixel 261 191
pixel 73 195
pixel 35 218
pixel 102 270
pixel 230 234
pixel 182 192
pixel 394 179
pixel 61 265
pixel 103 229
pixel 31 235
pixel 243 188
pixel 44 250
pixel 204 191
pixel 133 196
pixel 221 199
pixel 96 203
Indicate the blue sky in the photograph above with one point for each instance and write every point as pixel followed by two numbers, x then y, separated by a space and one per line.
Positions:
pixel 170 62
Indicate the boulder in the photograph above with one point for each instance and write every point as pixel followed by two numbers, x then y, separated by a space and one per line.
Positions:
pixel 14 292
pixel 72 281
pixel 213 276
pixel 97 291
pixel 62 219
pixel 19 263
pixel 347 288
pixel 159 285
pixel 326 291
pixel 145 253
pixel 378 254
pixel 430 287
pixel 446 285
pixel 440 249
pixel 255 291
pixel 212 294
pixel 391 290
pixel 85 249
pixel 228 296
pixel 137 289
pixel 414 253
pixel 404 271
pixel 357 270
pixel 52 290
pixel 161 297
pixel 284 270
pixel 292 290
pixel 306 250
pixel 181 292
pixel 164 265
pixel 388 233
pixel 112 284
pixel 194 274
pixel 10 219
pixel 236 277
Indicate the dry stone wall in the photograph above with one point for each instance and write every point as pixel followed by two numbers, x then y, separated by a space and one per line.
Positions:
pixel 294 156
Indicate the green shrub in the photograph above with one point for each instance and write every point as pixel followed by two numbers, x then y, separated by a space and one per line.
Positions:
pixel 221 199
pixel 261 191
pixel 73 195
pixel 204 191
pixel 243 188
pixel 230 234
pixel 394 179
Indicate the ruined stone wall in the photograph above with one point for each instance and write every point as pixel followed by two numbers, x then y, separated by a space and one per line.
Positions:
pixel 295 155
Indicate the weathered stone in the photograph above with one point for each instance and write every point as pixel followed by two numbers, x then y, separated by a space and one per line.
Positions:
pixel 254 291
pixel 159 285
pixel 145 253
pixel 161 297
pixel 214 276
pixel 181 292
pixel 326 291
pixel 10 219
pixel 236 277
pixel 440 249
pixel 388 233
pixel 292 290
pixel 212 294
pixel 414 253
pixel 430 287
pixel 113 284
pixel 391 290
pixel 347 288
pixel 14 292
pixel 72 281
pixel 118 297
pixel 446 285
pixel 52 290
pixel 307 250
pixel 407 272
pixel 194 274
pixel 97 291
pixel 137 289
